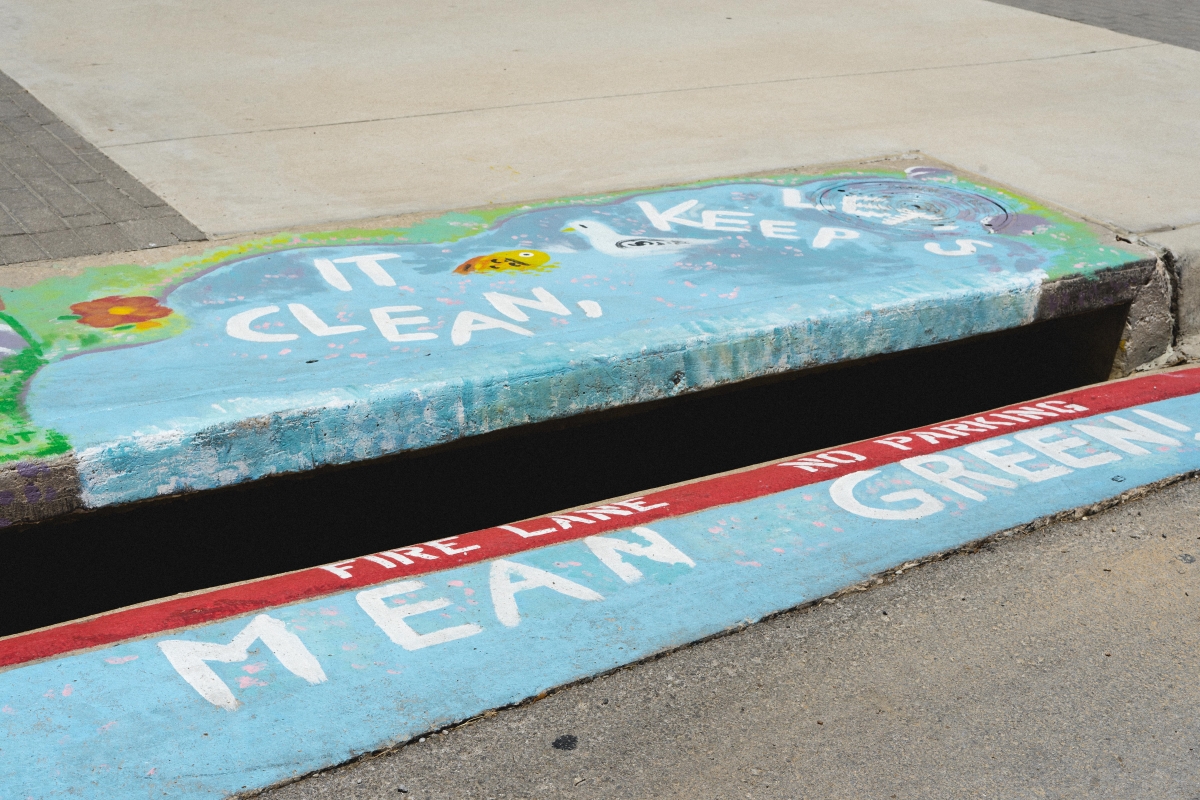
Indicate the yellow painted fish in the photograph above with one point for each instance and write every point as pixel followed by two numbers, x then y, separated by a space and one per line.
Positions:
pixel 507 261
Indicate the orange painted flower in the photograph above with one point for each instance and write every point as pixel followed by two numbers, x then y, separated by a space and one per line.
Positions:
pixel 109 312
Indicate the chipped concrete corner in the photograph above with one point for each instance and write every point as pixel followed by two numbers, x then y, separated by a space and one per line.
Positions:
pixel 1150 327
pixel 1181 253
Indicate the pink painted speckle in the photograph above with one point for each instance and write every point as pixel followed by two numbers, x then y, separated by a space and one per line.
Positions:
pixel 329 612
pixel 778 549
pixel 285 351
pixel 152 771
pixel 455 583
pixel 253 668
pixel 748 563
pixel 107 726
pixel 358 355
pixel 8 710
pixel 468 592
pixel 714 529
pixel 68 690
pixel 818 523
pixel 450 302
pixel 120 659
pixel 245 682
pixel 349 646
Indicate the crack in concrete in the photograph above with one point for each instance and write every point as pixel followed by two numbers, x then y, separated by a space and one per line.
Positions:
pixel 563 101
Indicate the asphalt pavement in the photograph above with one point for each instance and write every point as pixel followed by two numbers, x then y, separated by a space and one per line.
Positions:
pixel 1059 663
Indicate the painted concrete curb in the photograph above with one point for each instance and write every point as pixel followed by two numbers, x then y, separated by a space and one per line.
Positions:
pixel 304 350
pixel 243 687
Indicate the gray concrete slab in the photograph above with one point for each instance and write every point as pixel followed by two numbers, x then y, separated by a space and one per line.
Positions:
pixel 1057 664
pixel 1175 22
pixel 60 197
pixel 372 108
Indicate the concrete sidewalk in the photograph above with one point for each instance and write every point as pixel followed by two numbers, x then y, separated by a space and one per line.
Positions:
pixel 275 115
pixel 1059 664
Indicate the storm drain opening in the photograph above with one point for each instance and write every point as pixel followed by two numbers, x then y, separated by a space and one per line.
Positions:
pixel 93 562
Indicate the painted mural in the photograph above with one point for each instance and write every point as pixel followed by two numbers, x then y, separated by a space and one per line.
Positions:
pixel 300 350
pixel 392 645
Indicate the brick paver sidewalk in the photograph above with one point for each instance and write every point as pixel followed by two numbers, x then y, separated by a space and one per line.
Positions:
pixel 61 197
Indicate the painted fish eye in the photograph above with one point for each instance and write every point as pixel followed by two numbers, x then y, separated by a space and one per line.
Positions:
pixel 525 255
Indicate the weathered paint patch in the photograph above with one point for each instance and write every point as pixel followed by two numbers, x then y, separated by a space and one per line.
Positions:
pixel 288 354
pixel 248 700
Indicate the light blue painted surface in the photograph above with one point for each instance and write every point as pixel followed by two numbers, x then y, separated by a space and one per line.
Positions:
pixel 120 722
pixel 204 409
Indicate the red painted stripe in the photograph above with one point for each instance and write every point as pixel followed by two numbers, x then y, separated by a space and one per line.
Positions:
pixel 229 601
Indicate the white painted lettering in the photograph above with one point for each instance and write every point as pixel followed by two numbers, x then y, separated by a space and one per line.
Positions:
pixel 1058 449
pixel 564 521
pixel 602 512
pixel 898 442
pixel 778 229
pixel 932 435
pixel 390 619
pixel 370 267
pixel 810 464
pixel 792 198
pixel 842 492
pixel 389 325
pixel 965 428
pixel 1125 433
pixel 965 247
pixel 509 306
pixel 826 236
pixel 1161 420
pixel 609 550
pixel 1033 414
pixel 305 316
pixel 985 451
pixel 725 221
pixel 842 456
pixel 341 568
pixel 383 562
pixel 414 551
pixel 189 657
pixel 238 326
pixel 591 308
pixel 403 559
pixel 467 322
pixel 449 546
pixel 954 470
pixel 504 589
pixel 1066 407
pixel 662 220
pixel 527 534
pixel 638 504
pixel 331 274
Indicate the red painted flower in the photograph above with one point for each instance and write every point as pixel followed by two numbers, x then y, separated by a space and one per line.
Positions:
pixel 109 312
